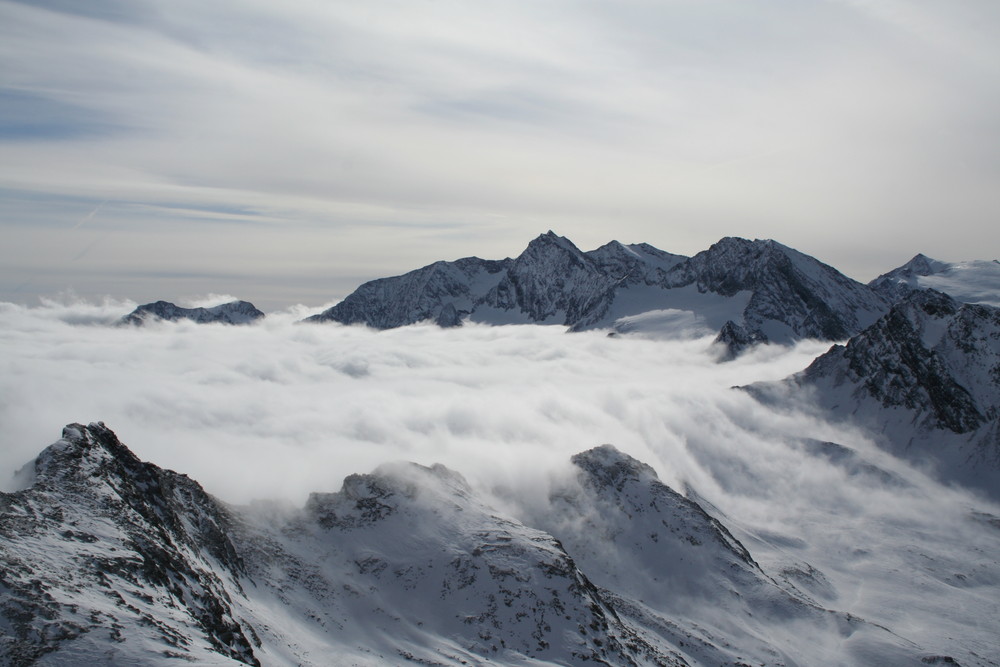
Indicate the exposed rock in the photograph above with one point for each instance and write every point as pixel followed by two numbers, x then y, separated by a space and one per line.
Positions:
pixel 234 312
pixel 760 290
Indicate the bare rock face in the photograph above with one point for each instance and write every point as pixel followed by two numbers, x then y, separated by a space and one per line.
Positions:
pixel 234 312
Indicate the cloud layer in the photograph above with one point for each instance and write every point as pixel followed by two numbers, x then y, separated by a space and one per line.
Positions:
pixel 279 409
pixel 291 151
pixel 283 409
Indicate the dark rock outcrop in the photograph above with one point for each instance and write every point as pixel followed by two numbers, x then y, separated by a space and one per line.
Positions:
pixel 234 312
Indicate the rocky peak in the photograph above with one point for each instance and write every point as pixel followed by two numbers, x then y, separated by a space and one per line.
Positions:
pixel 91 462
pixel 551 281
pixel 551 240
pixel 114 525
pixel 928 354
pixel 897 284
pixel 605 466
pixel 234 312
pixel 732 264
pixel 82 454
pixel 550 252
pixel 633 264
pixel 922 265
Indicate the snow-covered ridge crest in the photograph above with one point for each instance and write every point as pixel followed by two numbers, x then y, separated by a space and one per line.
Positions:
pixel 757 290
pixel 976 281
pixel 107 555
pixel 926 379
pixel 104 542
pixel 114 557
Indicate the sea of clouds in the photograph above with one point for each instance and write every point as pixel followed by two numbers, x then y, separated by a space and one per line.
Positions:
pixel 280 409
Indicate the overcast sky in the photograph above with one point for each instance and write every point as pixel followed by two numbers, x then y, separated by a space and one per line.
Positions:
pixel 285 152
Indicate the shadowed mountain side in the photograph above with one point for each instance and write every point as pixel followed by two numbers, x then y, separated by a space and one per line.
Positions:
pixel 753 291
pixel 234 312
pixel 925 379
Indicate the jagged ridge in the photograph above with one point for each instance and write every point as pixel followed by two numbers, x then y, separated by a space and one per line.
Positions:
pixel 773 292
pixel 924 379
pixel 108 556
pixel 234 312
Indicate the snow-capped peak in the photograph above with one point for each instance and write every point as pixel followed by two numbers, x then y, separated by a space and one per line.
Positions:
pixel 606 466
pixel 768 291
pixel 976 281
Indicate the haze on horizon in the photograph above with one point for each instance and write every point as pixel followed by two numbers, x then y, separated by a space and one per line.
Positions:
pixel 286 153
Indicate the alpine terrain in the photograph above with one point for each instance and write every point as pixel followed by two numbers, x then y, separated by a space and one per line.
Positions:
pixel 976 281
pixel 840 509
pixel 106 560
pixel 234 312
pixel 748 291
pixel 925 378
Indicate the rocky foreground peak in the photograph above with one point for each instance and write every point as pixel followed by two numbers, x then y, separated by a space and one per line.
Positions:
pixel 136 564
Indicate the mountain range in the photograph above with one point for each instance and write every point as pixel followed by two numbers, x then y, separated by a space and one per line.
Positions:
pixel 234 312
pixel 107 559
pixel 748 291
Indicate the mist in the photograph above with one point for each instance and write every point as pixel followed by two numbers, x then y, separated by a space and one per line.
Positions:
pixel 282 409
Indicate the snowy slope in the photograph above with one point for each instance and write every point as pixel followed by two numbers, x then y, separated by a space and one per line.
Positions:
pixel 793 296
pixel 234 312
pixel 975 281
pixel 125 563
pixel 926 379
pixel 109 560
pixel 679 573
pixel 751 291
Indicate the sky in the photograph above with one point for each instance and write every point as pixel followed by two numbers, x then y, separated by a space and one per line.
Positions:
pixel 286 152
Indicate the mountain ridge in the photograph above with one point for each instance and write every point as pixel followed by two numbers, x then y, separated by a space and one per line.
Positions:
pixel 234 312
pixel 925 379
pixel 106 555
pixel 976 281
pixel 749 291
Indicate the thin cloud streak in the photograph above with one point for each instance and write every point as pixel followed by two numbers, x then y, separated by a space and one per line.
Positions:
pixel 834 121
pixel 90 216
